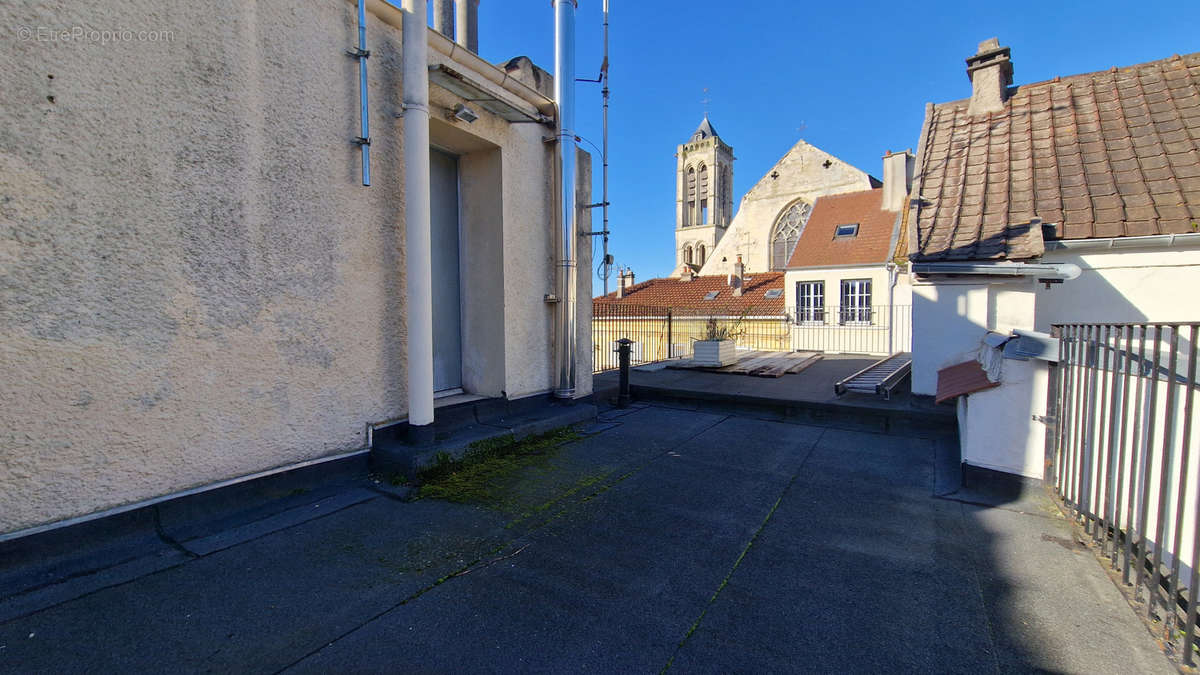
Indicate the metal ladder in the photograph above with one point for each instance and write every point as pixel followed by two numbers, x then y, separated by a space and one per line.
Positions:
pixel 880 377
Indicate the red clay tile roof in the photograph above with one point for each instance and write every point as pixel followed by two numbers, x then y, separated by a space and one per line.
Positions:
pixel 689 295
pixel 1107 154
pixel 962 378
pixel 818 246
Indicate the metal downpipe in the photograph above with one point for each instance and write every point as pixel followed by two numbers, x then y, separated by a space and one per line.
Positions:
pixel 417 238
pixel 566 216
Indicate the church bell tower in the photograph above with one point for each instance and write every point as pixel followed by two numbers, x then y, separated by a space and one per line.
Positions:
pixel 704 196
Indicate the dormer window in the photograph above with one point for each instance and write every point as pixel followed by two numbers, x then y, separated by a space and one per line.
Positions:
pixel 846 231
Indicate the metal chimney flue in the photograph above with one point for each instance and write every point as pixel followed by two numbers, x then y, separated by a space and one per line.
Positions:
pixel 566 216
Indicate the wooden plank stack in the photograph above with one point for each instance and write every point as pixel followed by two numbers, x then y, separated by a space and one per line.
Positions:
pixel 757 363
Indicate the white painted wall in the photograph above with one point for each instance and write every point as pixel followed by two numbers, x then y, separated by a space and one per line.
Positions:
pixel 833 338
pixel 194 285
pixel 1126 286
pixel 950 319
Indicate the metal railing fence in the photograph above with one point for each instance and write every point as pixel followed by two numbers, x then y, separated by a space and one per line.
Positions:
pixel 880 329
pixel 660 333
pixel 1122 456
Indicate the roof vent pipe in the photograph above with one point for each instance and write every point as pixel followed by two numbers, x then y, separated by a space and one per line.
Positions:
pixel 564 98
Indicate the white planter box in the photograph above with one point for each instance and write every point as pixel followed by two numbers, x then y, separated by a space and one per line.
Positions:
pixel 714 353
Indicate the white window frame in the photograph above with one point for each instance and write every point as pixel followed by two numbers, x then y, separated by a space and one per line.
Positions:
pixel 810 303
pixel 855 309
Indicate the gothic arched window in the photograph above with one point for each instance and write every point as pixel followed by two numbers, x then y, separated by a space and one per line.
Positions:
pixel 786 233
pixel 690 202
pixel 687 255
pixel 700 255
pixel 703 213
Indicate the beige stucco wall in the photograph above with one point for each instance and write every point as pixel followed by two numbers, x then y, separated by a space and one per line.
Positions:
pixel 194 285
pixel 801 174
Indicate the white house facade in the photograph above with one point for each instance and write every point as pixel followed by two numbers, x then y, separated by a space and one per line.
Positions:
pixel 845 291
pixel 1074 200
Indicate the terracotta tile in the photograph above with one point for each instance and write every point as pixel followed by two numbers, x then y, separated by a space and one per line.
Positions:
pixel 1101 230
pixel 1132 213
pixel 1140 228
pixel 1097 144
pixel 1174 213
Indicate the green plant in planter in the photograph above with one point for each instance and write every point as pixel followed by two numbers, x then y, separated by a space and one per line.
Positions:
pixel 716 330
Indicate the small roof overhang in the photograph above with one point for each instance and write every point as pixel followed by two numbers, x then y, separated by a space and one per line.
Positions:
pixel 472 92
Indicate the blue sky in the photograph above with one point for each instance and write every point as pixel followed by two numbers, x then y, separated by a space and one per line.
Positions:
pixel 850 78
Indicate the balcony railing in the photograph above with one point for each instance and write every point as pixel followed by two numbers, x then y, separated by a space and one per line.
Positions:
pixel 1122 455
pixel 660 333
pixel 880 329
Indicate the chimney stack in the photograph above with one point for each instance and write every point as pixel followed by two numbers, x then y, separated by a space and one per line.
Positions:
pixel 458 20
pixel 626 281
pixel 990 71
pixel 739 277
pixel 897 179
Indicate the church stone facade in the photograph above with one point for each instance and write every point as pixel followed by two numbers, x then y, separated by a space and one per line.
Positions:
pixel 709 237
pixel 704 196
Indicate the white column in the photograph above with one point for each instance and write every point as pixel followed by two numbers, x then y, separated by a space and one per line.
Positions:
pixel 418 247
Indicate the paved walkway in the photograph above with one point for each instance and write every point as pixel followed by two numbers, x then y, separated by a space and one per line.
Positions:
pixel 666 539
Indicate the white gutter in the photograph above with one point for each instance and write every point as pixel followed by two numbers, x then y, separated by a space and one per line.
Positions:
pixel 564 97
pixel 417 238
pixel 1059 271
pixel 1187 240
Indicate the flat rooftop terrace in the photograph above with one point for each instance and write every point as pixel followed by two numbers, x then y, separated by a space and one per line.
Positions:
pixel 663 538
